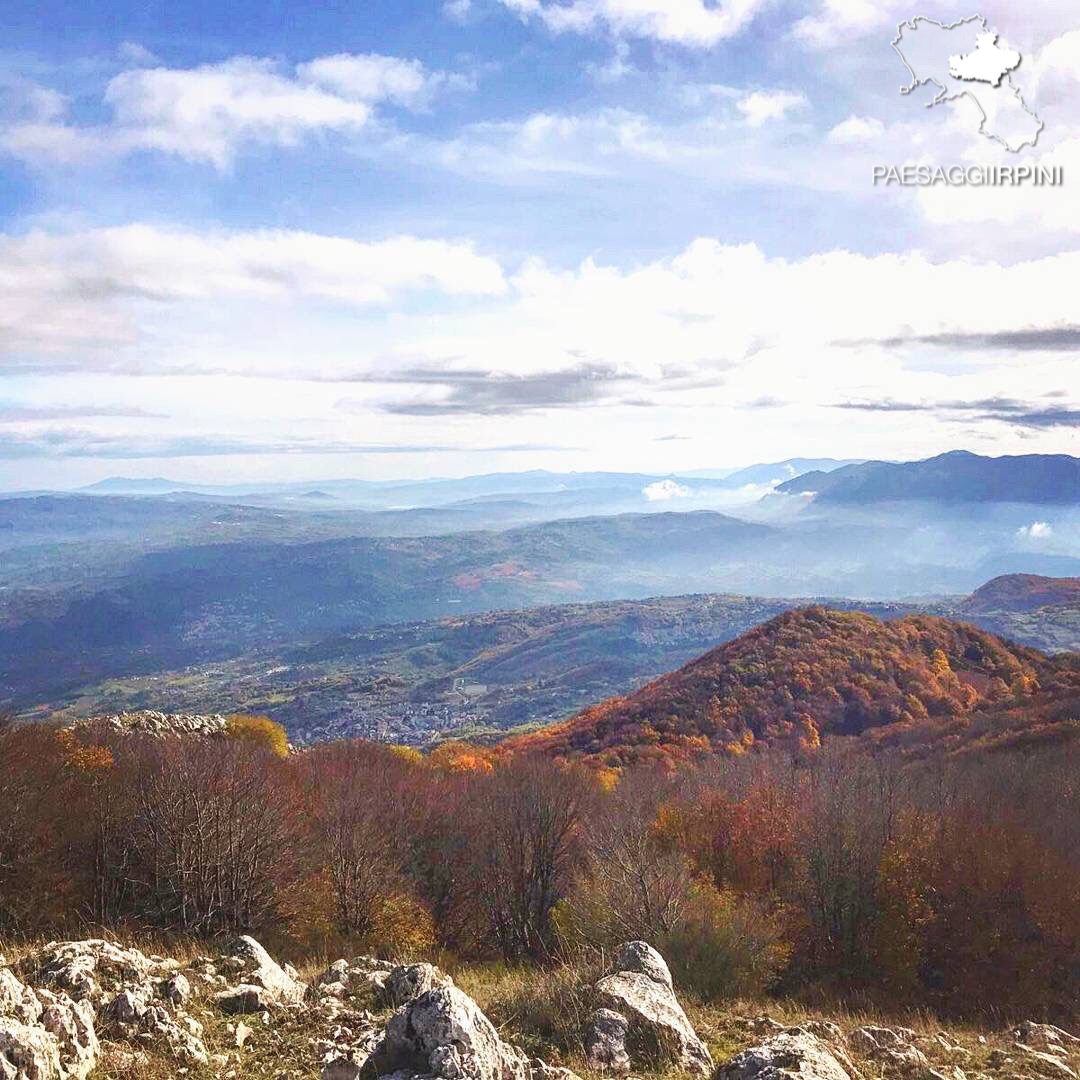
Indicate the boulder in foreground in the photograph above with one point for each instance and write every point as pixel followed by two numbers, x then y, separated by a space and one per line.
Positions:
pixel 657 1031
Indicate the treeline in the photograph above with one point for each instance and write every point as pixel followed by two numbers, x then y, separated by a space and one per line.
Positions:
pixel 953 884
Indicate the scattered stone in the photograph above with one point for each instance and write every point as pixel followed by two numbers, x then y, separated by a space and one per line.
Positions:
pixel 243 999
pixel 639 989
pixel 409 981
pixel 264 984
pixel 1046 1037
pixel 947 1072
pixel 892 1048
pixel 794 1054
pixel 241 1034
pixel 134 1013
pixel 176 989
pixel 605 1042
pixel 345 1053
pixel 759 1025
pixel 541 1070
pixel 1045 1064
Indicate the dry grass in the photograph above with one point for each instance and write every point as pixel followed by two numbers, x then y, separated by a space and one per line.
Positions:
pixel 543 1010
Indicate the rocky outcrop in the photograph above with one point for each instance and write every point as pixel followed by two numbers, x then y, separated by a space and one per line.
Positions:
pixel 657 1032
pixel 1046 1037
pixel 792 1054
pixel 1045 1049
pixel 262 983
pixel 131 996
pixel 443 1034
pixel 347 978
pixel 344 1047
pixel 44 1035
pixel 157 724
pixel 96 970
pixel 408 981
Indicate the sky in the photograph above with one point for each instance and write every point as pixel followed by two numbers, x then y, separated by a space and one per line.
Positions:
pixel 400 238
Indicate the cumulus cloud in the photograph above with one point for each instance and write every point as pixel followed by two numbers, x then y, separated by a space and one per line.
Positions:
pixel 205 114
pixel 765 105
pixel 665 490
pixel 857 129
pixel 695 23
pixel 674 344
pixel 680 319
pixel 1037 530
pixel 59 290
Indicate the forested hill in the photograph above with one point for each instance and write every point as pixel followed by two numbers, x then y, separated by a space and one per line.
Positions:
pixel 816 673
pixel 1023 592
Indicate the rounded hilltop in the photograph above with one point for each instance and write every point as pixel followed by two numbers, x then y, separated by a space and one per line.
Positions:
pixel 811 675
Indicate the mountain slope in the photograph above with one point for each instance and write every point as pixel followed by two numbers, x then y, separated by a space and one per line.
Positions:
pixel 207 603
pixel 1022 593
pixel 958 476
pixel 808 675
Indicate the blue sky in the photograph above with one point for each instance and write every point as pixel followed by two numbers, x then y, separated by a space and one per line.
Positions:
pixel 398 239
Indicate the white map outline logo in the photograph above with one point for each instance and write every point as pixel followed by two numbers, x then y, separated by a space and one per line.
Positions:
pixel 970 63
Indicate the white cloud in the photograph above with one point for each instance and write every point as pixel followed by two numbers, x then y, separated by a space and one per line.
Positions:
pixel 765 105
pixel 665 490
pixel 835 23
pixel 1049 211
pixel 1037 530
pixel 64 290
pixel 683 22
pixel 682 343
pixel 373 78
pixel 131 52
pixel 712 307
pixel 205 114
pixel 457 10
pixel 857 129
pixel 689 340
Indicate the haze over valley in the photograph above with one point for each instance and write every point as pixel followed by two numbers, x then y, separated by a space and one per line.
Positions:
pixel 410 611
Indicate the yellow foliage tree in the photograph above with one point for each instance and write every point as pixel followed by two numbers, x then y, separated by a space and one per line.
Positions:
pixel 81 756
pixel 455 756
pixel 258 729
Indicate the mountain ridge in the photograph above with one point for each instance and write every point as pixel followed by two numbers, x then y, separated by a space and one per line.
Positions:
pixel 956 476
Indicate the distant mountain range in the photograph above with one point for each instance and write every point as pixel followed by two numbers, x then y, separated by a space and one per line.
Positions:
pixel 958 476
pixel 774 473
pixel 96 586
pixel 444 491
pixel 814 674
